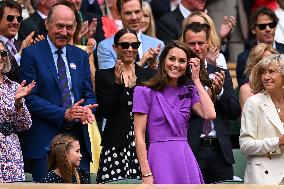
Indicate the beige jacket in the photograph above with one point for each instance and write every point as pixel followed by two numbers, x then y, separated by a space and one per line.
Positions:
pixel 261 128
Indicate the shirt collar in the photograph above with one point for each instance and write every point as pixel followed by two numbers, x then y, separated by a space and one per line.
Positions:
pixel 5 39
pixel 53 48
pixel 273 45
pixel 43 16
pixel 184 11
pixel 6 80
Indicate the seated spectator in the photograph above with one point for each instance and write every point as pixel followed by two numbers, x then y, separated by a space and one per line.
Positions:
pixel 262 133
pixel 148 25
pixel 257 53
pixel 131 15
pixel 114 90
pixel 263 26
pixel 63 161
pixel 14 118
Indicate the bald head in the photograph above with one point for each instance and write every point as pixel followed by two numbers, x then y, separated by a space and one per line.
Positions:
pixel 60 25
pixel 62 10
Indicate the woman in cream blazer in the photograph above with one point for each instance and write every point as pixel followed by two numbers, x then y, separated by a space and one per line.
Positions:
pixel 262 127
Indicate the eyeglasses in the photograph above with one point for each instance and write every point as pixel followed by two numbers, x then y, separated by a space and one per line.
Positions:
pixel 125 45
pixel 3 53
pixel 263 26
pixel 10 18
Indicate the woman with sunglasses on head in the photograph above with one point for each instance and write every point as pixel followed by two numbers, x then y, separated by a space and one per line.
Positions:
pixel 114 90
pixel 163 107
pixel 14 118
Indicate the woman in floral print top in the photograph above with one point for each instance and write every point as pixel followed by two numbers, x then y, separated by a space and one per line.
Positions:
pixel 14 118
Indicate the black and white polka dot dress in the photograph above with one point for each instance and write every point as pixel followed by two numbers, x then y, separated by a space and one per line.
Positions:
pixel 117 163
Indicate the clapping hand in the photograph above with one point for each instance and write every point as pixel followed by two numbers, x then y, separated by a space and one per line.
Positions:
pixel 22 91
pixel 212 55
pixel 83 113
pixel 227 26
pixel 131 77
pixel 218 80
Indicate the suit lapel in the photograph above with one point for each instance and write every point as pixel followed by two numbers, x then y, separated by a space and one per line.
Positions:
pixel 270 112
pixel 49 60
pixel 73 66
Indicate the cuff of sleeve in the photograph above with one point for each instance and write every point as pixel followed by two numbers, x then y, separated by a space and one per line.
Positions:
pixel 220 95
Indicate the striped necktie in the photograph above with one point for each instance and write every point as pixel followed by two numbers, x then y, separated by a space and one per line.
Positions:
pixel 63 81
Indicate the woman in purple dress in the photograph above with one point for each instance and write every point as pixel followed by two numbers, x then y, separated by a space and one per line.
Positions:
pixel 163 107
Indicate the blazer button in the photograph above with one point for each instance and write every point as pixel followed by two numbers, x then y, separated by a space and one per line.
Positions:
pixel 266 172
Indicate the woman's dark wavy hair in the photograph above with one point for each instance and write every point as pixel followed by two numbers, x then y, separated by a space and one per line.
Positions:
pixel 161 79
pixel 120 33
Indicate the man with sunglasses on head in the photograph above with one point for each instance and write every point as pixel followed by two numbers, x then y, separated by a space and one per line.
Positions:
pixel 10 19
pixel 130 12
pixel 263 26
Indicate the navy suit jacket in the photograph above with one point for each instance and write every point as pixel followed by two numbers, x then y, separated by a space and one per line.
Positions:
pixel 227 108
pixel 242 61
pixel 45 100
pixel 169 26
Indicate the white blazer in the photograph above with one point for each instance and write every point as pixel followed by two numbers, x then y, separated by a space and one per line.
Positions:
pixel 261 128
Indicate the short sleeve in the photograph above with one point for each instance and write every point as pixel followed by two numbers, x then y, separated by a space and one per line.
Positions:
pixel 194 95
pixel 141 100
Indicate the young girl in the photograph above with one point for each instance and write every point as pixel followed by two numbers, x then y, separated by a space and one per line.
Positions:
pixel 63 162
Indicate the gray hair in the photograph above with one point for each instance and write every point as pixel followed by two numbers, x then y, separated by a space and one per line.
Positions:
pixel 255 77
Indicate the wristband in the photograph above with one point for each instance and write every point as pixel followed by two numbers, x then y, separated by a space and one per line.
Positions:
pixel 147 174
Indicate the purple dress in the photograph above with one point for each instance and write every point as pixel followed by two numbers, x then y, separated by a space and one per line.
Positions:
pixel 170 157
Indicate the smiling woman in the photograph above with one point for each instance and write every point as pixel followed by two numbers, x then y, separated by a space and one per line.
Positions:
pixel 262 133
pixel 163 107
pixel 114 90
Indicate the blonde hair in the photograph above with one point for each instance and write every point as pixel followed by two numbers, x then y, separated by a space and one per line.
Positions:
pixel 256 55
pixel 7 63
pixel 255 77
pixel 151 30
pixel 213 39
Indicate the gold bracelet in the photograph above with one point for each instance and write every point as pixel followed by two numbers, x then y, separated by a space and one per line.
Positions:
pixel 147 174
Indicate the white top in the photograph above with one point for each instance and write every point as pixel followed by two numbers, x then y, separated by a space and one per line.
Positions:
pixel 279 33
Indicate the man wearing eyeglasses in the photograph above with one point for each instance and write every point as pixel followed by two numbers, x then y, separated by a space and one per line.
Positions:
pixel 263 26
pixel 210 139
pixel 63 97
pixel 130 12
pixel 10 19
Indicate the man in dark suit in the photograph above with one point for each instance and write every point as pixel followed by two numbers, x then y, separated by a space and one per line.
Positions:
pixel 36 21
pixel 169 25
pixel 10 19
pixel 263 26
pixel 63 97
pixel 210 139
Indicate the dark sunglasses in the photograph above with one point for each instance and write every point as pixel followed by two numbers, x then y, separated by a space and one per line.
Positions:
pixel 263 26
pixel 10 18
pixel 3 53
pixel 125 45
